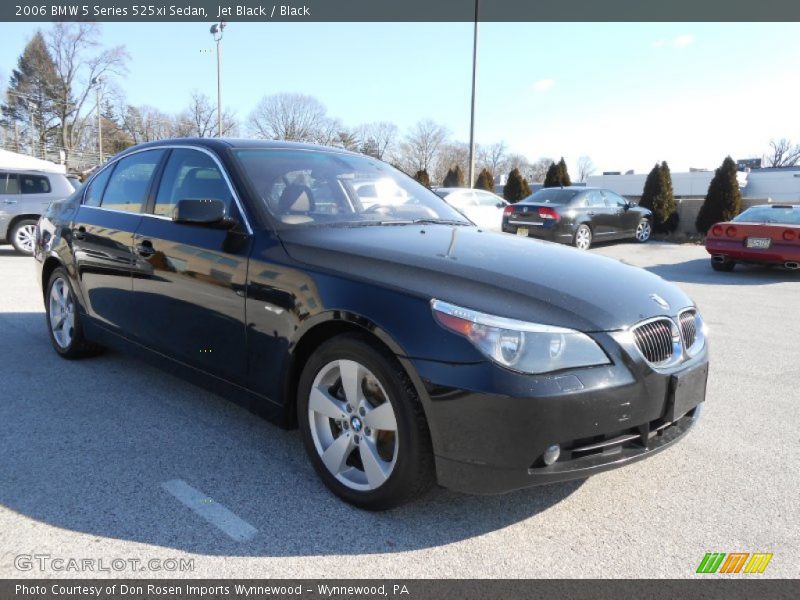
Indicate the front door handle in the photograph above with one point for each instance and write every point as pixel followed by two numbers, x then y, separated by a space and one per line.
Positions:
pixel 591 213
pixel 145 248
pixel 8 201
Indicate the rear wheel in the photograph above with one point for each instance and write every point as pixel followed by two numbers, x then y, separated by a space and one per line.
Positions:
pixel 725 265
pixel 583 237
pixel 63 318
pixel 363 426
pixel 643 231
pixel 23 236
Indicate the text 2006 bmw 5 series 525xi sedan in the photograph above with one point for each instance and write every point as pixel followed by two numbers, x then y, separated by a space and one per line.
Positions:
pixel 409 346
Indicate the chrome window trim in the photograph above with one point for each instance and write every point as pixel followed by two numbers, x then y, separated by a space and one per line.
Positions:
pixel 169 147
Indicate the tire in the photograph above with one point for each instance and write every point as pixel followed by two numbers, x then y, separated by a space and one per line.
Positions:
pixel 643 231
pixel 726 266
pixel 23 236
pixel 352 440
pixel 583 237
pixel 67 336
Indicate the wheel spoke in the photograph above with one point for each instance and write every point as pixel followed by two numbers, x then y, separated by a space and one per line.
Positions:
pixel 335 457
pixel 320 401
pixel 350 372
pixel 381 418
pixel 375 468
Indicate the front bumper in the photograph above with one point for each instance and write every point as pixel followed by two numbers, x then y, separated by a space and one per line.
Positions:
pixel 490 427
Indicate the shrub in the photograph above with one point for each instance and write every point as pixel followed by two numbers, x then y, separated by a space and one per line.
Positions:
pixel 485 181
pixel 657 196
pixel 516 187
pixel 423 177
pixel 723 200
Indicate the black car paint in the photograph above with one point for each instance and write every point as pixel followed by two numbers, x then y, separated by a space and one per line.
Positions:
pixel 239 309
pixel 613 220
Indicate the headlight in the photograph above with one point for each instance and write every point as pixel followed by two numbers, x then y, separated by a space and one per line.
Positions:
pixel 519 345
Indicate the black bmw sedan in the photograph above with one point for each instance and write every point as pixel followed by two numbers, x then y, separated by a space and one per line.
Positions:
pixel 408 346
pixel 577 215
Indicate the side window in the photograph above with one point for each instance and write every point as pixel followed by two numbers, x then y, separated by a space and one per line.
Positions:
pixel 10 184
pixel 595 199
pixel 34 184
pixel 614 199
pixel 127 189
pixel 94 193
pixel 190 175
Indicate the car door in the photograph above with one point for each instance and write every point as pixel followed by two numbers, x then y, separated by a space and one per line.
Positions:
pixel 489 210
pixel 102 237
pixel 624 219
pixel 599 214
pixel 189 289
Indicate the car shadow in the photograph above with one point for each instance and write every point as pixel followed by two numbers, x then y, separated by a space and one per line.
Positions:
pixel 87 445
pixel 9 251
pixel 700 271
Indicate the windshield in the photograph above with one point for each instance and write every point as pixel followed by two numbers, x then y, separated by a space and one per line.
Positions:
pixel 552 196
pixel 309 187
pixel 770 214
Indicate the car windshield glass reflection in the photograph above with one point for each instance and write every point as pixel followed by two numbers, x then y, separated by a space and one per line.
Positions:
pixel 302 188
pixel 770 214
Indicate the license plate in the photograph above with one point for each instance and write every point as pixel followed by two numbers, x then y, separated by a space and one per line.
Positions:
pixel 686 390
pixel 758 242
pixel 523 231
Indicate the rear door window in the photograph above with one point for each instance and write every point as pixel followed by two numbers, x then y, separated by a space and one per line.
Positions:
pixel 94 193
pixel 34 184
pixel 130 182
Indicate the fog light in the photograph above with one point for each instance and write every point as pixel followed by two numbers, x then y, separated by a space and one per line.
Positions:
pixel 551 454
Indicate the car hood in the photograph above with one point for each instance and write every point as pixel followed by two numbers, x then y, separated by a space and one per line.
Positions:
pixel 497 273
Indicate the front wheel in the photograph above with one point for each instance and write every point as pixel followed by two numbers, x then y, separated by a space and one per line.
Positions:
pixel 583 237
pixel 23 236
pixel 643 231
pixel 363 426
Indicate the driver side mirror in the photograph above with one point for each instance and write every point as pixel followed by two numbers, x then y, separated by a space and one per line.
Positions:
pixel 210 212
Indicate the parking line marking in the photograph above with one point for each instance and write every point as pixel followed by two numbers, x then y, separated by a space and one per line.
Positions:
pixel 216 514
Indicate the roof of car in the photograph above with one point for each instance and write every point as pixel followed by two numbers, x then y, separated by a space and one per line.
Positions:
pixel 450 190
pixel 223 143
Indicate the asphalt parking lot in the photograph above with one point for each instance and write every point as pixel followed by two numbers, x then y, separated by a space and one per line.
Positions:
pixel 90 453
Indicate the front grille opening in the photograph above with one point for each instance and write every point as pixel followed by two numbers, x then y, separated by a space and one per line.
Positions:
pixel 688 327
pixel 654 340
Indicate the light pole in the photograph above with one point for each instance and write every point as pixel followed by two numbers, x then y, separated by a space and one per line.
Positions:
pixel 97 82
pixel 472 107
pixel 216 30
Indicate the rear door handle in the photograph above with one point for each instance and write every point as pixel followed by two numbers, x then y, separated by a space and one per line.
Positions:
pixel 145 248
pixel 7 201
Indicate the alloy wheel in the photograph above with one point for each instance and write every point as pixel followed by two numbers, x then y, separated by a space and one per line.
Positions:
pixel 353 425
pixel 643 231
pixel 61 313
pixel 24 238
pixel 583 238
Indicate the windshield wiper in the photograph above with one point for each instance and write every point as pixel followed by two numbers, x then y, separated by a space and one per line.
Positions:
pixel 426 221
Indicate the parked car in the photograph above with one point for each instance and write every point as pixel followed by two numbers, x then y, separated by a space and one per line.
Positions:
pixel 766 234
pixel 24 196
pixel 483 208
pixel 578 216
pixel 408 345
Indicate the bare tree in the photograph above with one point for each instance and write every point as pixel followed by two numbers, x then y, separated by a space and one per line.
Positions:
pixel 585 168
pixel 420 151
pixel 493 157
pixel 293 117
pixel 80 65
pixel 377 139
pixel 200 119
pixel 782 154
pixel 146 124
pixel 453 154
pixel 538 170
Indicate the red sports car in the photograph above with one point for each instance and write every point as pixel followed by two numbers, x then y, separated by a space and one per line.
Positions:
pixel 768 234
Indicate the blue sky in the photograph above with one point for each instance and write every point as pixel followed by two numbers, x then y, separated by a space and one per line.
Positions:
pixel 626 95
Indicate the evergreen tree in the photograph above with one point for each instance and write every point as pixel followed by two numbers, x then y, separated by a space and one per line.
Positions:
pixel 516 187
pixel 485 181
pixel 32 93
pixel 458 174
pixel 552 178
pixel 723 200
pixel 423 177
pixel 665 211
pixel 563 174
pixel 650 187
